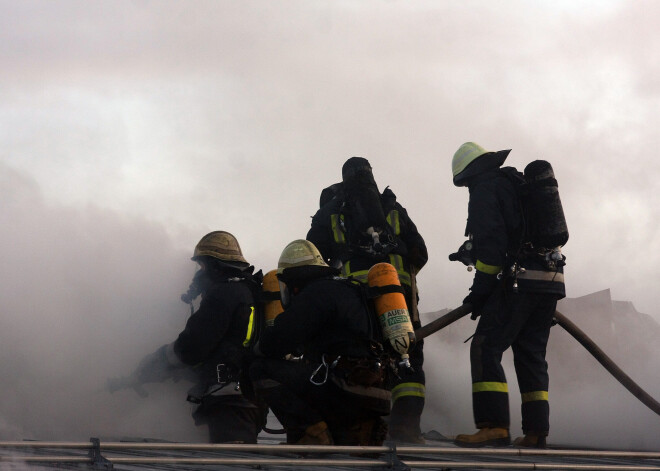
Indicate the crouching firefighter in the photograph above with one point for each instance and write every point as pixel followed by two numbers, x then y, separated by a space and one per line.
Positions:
pixel 334 393
pixel 216 342
pixel 516 285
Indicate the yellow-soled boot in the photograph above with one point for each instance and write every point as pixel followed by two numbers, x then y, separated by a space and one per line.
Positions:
pixel 489 436
pixel 317 434
pixel 530 440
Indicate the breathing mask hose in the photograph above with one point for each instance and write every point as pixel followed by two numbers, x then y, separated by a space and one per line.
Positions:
pixel 574 331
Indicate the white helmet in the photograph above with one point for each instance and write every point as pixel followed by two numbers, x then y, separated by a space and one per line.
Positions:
pixel 300 253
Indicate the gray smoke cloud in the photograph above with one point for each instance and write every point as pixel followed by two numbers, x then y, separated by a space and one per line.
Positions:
pixel 86 293
pixel 129 129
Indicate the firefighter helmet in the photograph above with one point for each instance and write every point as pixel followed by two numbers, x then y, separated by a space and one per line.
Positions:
pixel 355 166
pixel 300 253
pixel 300 261
pixel 221 245
pixel 467 154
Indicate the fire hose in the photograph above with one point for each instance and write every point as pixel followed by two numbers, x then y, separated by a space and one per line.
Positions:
pixel 574 331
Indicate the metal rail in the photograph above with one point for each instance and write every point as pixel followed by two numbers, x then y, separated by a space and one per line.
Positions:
pixel 498 465
pixel 354 450
pixel 389 456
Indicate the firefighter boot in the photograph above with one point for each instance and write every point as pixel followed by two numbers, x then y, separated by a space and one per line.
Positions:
pixel 531 440
pixel 368 432
pixel 317 434
pixel 404 425
pixel 489 436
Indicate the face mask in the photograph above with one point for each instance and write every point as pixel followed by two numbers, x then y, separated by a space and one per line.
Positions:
pixel 285 294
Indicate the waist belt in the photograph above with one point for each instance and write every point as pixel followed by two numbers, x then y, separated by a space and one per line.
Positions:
pixel 540 275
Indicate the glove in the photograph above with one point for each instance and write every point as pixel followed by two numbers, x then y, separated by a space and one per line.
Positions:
pixel 477 301
pixel 154 368
pixel 482 287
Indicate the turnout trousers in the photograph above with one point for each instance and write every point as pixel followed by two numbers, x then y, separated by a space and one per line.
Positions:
pixel 408 397
pixel 521 321
pixel 231 419
pixel 409 393
pixel 298 403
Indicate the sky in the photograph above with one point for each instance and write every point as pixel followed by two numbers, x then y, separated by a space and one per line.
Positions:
pixel 129 129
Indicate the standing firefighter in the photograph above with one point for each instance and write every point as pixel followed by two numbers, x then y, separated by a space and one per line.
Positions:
pixel 358 227
pixel 515 290
pixel 334 393
pixel 215 341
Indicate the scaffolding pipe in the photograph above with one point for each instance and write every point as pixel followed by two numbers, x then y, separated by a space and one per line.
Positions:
pixel 45 459
pixel 250 461
pixel 549 466
pixel 353 463
pixel 354 450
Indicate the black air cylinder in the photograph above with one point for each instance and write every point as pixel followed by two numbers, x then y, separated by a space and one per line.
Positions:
pixel 545 219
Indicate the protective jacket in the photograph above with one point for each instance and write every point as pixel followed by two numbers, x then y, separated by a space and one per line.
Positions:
pixel 327 317
pixel 496 225
pixel 216 333
pixel 330 324
pixel 332 233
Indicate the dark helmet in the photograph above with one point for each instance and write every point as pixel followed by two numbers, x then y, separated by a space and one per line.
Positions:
pixel 355 166
pixel 362 196
pixel 356 172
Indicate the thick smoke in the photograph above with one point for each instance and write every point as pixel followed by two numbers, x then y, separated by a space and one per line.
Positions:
pixel 85 293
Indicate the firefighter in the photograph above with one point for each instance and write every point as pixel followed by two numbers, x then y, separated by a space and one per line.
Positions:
pixel 514 293
pixel 356 228
pixel 333 391
pixel 213 341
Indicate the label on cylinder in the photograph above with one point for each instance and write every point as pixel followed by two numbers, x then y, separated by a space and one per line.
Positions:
pixel 396 325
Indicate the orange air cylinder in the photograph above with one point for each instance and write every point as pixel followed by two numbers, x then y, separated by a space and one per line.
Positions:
pixel 392 310
pixel 271 293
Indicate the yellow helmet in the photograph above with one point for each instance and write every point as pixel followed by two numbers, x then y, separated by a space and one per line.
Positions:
pixel 221 245
pixel 465 155
pixel 468 153
pixel 300 253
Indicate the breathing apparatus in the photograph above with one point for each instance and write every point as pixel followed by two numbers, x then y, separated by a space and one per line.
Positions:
pixel 194 290
pixel 392 311
pixel 271 296
pixel 464 254
pixel 363 205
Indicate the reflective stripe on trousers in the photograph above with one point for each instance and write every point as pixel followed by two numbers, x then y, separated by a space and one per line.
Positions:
pixel 408 389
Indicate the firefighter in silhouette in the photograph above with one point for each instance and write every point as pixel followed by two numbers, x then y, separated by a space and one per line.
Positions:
pixel 514 293
pixel 215 342
pixel 333 391
pixel 357 227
